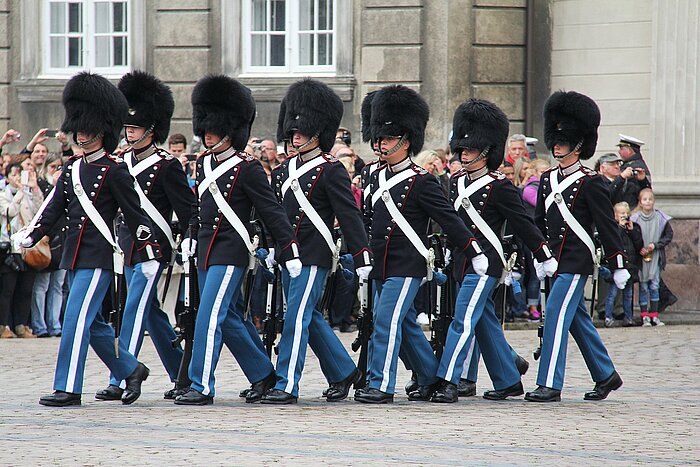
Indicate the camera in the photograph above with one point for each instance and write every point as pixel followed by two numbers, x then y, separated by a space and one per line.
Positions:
pixel 5 248
pixel 14 263
pixel 50 133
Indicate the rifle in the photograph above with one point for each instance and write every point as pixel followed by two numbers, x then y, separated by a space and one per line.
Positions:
pixel 594 280
pixel 510 264
pixel 185 321
pixel 175 226
pixel 118 292
pixel 364 331
pixel 540 329
pixel 271 275
pixel 444 304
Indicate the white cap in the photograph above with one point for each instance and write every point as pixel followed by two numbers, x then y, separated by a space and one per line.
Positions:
pixel 531 140
pixel 627 140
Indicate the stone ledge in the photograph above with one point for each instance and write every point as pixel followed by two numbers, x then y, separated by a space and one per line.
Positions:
pixel 272 89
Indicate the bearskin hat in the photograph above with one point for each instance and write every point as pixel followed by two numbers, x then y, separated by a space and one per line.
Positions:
pixel 150 103
pixel 311 108
pixel 397 111
pixel 223 106
pixel 366 117
pixel 569 118
pixel 478 124
pixel 94 106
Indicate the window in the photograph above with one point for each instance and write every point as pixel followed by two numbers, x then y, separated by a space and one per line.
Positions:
pixel 86 34
pixel 289 36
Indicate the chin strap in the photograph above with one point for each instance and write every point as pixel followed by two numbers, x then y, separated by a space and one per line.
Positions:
pixel 223 141
pixel 88 142
pixel 576 148
pixel 148 132
pixel 397 146
pixel 480 157
pixel 311 141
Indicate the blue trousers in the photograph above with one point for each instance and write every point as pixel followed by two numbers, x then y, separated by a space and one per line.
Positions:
pixel 393 330
pixel 566 312
pixel 83 325
pixel 142 311
pixel 219 321
pixel 627 293
pixel 304 324
pixel 475 319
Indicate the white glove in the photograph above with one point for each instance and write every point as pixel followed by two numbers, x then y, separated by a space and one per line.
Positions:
pixel 188 247
pixel 293 267
pixel 363 272
pixel 448 257
pixel 539 270
pixel 22 239
pixel 270 260
pixel 480 263
pixel 550 266
pixel 508 279
pixel 621 276
pixel 150 268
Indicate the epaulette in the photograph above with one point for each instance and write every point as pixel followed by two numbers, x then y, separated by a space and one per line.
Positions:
pixel 246 157
pixel 497 175
pixel 115 158
pixel 419 170
pixel 329 157
pixel 588 171
pixel 164 154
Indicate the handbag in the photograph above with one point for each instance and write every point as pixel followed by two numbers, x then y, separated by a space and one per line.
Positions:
pixel 38 257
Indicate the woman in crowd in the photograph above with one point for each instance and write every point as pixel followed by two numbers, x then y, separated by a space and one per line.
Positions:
pixel 47 294
pixel 19 202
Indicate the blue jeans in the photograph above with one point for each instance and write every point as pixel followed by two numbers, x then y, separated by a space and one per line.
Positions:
pixel 626 300
pixel 649 291
pixel 47 299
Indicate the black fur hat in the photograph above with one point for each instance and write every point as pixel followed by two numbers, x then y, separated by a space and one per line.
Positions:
pixel 366 117
pixel 570 117
pixel 397 111
pixel 311 108
pixel 150 103
pixel 94 106
pixel 478 124
pixel 223 106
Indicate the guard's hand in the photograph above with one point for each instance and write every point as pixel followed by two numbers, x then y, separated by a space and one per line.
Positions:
pixel 149 268
pixel 621 276
pixel 550 266
pixel 539 270
pixel 363 272
pixel 188 247
pixel 293 267
pixel 270 260
pixel 480 263
pixel 22 239
pixel 508 279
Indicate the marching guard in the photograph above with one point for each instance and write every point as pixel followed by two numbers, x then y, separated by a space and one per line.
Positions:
pixel 485 200
pixel 403 197
pixel 314 189
pixel 571 199
pixel 92 186
pixel 162 188
pixel 229 185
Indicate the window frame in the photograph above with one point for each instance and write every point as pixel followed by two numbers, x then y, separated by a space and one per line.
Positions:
pixel 89 36
pixel 292 40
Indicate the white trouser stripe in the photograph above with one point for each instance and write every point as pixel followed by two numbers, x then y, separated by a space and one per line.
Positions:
pixel 138 320
pixel 297 330
pixel 392 333
pixel 468 360
pixel 211 331
pixel 556 345
pixel 79 328
pixel 467 329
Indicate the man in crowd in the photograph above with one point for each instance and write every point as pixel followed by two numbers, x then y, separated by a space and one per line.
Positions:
pixel 634 169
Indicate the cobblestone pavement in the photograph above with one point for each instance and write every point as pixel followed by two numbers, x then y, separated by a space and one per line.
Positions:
pixel 653 419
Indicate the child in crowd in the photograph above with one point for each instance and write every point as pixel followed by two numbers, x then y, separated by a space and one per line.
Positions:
pixel 632 243
pixel 657 233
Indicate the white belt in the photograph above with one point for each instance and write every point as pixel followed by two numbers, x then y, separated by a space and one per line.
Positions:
pixel 556 197
pixel 366 191
pixel 209 184
pixel 95 217
pixel 464 192
pixel 384 194
pixel 293 182
pixel 146 203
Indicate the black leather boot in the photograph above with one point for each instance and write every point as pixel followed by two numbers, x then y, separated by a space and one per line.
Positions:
pixel 447 393
pixel 373 396
pixel 339 391
pixel 543 394
pixel 133 384
pixel 278 397
pixel 423 393
pixel 259 388
pixel 514 390
pixel 603 388
pixel 412 384
pixel 171 394
pixel 193 397
pixel 466 388
pixel 521 364
pixel 110 393
pixel 60 399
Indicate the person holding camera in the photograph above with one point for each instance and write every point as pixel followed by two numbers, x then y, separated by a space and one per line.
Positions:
pixel 19 202
pixel 633 170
